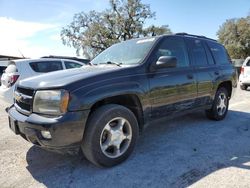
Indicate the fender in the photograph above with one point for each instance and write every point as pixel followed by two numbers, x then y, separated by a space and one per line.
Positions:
pixel 228 75
pixel 86 97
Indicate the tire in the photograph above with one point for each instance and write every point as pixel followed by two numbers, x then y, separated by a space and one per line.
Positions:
pixel 220 105
pixel 110 127
pixel 243 87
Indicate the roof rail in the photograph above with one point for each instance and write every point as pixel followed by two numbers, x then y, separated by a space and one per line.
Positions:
pixel 198 36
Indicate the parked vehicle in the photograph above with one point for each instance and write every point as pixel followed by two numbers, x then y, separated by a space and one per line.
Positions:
pixel 24 68
pixel 102 108
pixel 3 66
pixel 245 74
pixel 238 64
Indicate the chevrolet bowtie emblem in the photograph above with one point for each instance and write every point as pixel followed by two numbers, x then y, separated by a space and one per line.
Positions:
pixel 18 96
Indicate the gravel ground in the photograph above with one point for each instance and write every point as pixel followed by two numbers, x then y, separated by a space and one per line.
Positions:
pixel 188 151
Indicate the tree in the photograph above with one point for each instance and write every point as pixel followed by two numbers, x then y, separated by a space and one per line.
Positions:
pixel 234 34
pixel 93 32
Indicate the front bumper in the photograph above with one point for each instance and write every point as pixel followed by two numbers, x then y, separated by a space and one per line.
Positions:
pixel 66 131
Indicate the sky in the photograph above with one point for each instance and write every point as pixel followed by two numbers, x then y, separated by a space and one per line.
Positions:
pixel 31 28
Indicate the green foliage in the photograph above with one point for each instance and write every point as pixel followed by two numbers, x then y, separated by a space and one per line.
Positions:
pixel 93 32
pixel 234 34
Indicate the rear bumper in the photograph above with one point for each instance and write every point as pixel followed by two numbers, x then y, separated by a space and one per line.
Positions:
pixel 244 80
pixel 66 131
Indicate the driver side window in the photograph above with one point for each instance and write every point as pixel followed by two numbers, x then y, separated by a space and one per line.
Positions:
pixel 173 46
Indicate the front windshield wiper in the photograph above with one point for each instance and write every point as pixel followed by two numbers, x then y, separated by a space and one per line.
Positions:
pixel 112 63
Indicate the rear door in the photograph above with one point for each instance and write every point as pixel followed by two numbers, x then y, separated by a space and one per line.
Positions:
pixel 172 89
pixel 206 71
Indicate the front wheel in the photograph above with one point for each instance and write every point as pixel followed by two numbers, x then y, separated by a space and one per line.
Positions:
pixel 220 105
pixel 110 136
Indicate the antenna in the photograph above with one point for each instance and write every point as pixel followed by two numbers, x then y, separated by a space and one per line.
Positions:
pixel 21 53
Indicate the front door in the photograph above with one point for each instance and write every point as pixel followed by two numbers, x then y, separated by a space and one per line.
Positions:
pixel 172 89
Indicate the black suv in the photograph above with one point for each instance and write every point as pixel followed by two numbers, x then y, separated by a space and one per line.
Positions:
pixel 102 107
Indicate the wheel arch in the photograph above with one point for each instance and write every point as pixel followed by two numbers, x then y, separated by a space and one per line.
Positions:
pixel 227 85
pixel 130 101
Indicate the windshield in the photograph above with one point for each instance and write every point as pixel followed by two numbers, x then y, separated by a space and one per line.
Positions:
pixel 125 53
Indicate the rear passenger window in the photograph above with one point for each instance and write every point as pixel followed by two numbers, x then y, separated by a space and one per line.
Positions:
pixel 198 52
pixel 173 46
pixel 46 66
pixel 71 65
pixel 219 53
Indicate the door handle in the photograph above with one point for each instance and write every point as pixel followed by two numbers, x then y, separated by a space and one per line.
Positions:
pixel 190 76
pixel 216 72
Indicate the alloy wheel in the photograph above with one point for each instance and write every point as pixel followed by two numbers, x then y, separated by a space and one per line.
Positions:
pixel 116 137
pixel 222 104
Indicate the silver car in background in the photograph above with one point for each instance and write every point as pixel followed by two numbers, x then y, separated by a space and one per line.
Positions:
pixel 24 68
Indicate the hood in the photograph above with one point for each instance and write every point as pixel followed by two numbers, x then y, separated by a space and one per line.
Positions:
pixel 61 78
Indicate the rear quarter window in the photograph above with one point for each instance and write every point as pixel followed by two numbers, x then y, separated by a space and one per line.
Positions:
pixel 46 66
pixel 219 53
pixel 71 65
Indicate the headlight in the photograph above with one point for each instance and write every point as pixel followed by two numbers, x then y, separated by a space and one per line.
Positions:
pixel 51 102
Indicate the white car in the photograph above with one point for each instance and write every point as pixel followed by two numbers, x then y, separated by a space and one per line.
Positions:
pixel 244 78
pixel 24 68
pixel 3 66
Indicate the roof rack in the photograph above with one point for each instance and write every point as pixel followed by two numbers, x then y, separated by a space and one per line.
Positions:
pixel 198 36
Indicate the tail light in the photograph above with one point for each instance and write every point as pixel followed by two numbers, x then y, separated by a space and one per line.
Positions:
pixel 242 70
pixel 13 79
pixel 9 81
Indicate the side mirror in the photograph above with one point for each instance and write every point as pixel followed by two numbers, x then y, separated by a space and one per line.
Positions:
pixel 166 62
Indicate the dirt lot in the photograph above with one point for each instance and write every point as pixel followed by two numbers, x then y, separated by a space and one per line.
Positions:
pixel 188 151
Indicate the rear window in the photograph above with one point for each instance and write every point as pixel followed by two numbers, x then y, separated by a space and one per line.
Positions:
pixel 46 66
pixel 219 53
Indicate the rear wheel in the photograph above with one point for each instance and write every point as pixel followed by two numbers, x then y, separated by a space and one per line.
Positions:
pixel 220 105
pixel 110 136
pixel 243 87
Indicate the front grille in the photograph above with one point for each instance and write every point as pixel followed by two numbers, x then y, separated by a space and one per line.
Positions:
pixel 24 106
pixel 25 91
pixel 23 100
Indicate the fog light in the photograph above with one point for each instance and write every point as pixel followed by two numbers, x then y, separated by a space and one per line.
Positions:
pixel 46 134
